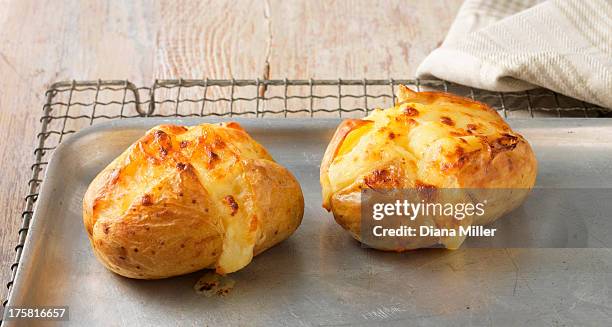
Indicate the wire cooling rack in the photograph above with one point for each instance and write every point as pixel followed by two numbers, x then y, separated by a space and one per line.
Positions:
pixel 72 105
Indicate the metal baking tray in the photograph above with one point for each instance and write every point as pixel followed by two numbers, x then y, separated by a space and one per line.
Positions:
pixel 320 275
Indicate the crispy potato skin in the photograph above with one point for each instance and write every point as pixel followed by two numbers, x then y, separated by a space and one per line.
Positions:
pixel 429 140
pixel 181 199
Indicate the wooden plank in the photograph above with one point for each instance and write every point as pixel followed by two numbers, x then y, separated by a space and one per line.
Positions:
pixel 357 38
pixel 214 39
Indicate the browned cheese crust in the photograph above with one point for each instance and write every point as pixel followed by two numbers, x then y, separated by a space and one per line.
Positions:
pixel 429 141
pixel 181 199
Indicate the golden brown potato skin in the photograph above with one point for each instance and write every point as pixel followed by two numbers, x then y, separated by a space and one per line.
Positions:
pixel 429 140
pixel 181 199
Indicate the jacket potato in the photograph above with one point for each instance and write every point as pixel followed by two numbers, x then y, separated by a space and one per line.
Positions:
pixel 428 141
pixel 181 199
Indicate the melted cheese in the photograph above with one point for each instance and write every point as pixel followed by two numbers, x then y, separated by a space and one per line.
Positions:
pixel 428 136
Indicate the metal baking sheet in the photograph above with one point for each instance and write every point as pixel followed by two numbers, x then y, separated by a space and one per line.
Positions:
pixel 320 275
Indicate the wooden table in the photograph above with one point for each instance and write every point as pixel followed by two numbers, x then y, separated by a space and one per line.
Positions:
pixel 43 41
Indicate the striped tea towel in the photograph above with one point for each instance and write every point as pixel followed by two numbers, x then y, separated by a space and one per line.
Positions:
pixel 515 45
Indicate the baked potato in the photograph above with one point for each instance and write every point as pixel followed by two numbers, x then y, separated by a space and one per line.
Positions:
pixel 428 141
pixel 181 199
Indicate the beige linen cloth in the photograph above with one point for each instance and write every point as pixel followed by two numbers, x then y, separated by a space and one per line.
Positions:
pixel 516 45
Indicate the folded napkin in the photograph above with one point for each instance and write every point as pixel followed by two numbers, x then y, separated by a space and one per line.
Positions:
pixel 516 45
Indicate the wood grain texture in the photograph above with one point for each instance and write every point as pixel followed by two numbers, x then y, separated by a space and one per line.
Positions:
pixel 355 39
pixel 214 39
pixel 43 41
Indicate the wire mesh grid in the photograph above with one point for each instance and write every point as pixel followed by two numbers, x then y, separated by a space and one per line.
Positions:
pixel 72 105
